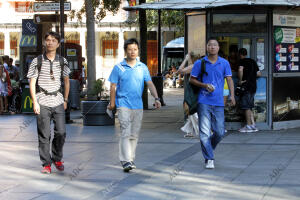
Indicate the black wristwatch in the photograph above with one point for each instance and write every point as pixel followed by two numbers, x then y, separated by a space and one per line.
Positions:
pixel 66 100
pixel 157 99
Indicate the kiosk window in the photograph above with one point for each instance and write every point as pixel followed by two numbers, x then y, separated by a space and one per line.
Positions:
pixel 239 23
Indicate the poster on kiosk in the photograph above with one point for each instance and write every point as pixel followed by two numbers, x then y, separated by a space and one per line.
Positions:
pixel 286 96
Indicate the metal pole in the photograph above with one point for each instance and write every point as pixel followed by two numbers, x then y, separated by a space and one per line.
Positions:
pixel 62 33
pixel 159 44
pixel 159 81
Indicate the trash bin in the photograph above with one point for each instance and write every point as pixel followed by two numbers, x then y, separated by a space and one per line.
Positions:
pixel 74 94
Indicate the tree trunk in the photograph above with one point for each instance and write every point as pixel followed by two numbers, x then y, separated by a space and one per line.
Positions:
pixel 91 52
pixel 143 47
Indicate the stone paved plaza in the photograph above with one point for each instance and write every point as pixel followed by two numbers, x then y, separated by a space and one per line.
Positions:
pixel 257 166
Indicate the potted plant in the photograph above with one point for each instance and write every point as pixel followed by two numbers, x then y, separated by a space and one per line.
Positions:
pixel 94 111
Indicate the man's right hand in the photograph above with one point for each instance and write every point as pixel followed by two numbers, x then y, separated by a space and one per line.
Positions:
pixel 210 88
pixel 111 107
pixel 36 108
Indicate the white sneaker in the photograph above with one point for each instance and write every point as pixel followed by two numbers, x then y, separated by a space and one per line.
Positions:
pixel 253 127
pixel 246 129
pixel 210 164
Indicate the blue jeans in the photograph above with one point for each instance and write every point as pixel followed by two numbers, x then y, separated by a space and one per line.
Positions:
pixel 211 118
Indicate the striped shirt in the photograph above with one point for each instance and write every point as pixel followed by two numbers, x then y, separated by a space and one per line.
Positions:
pixel 45 81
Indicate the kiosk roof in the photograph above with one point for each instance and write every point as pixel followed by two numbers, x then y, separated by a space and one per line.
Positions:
pixel 203 4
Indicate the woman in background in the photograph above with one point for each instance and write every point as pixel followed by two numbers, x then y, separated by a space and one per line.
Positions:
pixel 191 126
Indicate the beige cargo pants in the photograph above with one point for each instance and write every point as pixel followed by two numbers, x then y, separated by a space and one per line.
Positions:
pixel 130 125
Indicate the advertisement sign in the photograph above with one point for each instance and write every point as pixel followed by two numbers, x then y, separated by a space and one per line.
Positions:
pixel 28 41
pixel 27 104
pixel 71 52
pixel 287 45
pixel 286 20
pixel 286 99
pixel 28 27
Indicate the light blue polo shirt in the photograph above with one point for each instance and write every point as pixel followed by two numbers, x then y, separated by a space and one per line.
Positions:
pixel 130 84
pixel 216 74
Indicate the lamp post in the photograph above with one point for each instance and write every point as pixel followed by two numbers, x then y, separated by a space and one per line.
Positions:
pixel 62 27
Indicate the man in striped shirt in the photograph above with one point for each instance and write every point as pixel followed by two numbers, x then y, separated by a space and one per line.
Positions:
pixel 49 102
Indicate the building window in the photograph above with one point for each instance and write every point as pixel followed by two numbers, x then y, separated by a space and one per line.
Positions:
pixel 109 48
pixel 14 47
pixel 24 7
pixel 240 23
pixel 1 44
pixel 152 61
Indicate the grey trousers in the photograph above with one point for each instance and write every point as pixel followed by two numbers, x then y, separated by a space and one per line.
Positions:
pixel 44 133
pixel 130 125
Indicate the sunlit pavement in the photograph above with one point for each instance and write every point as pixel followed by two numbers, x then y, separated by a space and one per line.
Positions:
pixel 263 165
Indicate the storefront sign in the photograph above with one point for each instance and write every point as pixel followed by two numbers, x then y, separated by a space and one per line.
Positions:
pixel 28 41
pixel 71 52
pixel 286 20
pixel 287 44
pixel 45 6
pixel 28 27
pixel 27 104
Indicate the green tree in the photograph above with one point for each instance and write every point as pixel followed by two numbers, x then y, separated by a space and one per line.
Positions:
pixel 169 18
pixel 93 10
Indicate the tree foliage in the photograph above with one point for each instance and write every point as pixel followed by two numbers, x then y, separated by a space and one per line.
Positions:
pixel 169 18
pixel 100 8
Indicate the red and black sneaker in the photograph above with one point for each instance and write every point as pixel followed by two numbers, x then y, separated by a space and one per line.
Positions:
pixel 59 165
pixel 46 169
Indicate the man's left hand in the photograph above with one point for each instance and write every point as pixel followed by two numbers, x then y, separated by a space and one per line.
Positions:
pixel 157 104
pixel 232 100
pixel 65 105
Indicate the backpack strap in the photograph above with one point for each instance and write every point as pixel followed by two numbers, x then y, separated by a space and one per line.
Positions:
pixel 203 70
pixel 38 67
pixel 62 67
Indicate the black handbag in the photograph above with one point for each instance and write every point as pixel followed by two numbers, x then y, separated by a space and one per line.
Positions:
pixel 240 90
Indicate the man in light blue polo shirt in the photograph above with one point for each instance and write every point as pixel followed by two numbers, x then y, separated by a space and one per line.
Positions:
pixel 127 84
pixel 210 99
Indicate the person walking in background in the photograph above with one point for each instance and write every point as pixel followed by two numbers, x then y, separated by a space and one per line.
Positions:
pixel 49 102
pixel 210 100
pixel 84 72
pixel 13 69
pixel 5 82
pixel 127 83
pixel 2 80
pixel 190 127
pixel 247 74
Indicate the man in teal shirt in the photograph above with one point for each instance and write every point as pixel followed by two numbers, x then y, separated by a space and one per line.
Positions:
pixel 127 84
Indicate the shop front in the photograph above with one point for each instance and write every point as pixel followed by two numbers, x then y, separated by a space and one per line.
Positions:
pixel 272 40
pixel 270 31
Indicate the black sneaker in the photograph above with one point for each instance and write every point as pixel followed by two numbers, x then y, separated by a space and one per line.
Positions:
pixel 127 167
pixel 133 166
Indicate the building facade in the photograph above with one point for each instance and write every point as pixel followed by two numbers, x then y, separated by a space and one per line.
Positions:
pixel 111 33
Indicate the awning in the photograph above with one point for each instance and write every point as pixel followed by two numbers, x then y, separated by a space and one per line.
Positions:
pixel 203 4
pixel 28 41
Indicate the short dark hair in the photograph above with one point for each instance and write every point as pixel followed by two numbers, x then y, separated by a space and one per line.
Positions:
pixel 5 58
pixel 130 41
pixel 53 34
pixel 212 38
pixel 243 51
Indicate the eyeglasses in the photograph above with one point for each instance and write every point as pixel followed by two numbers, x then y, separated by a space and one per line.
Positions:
pixel 51 71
